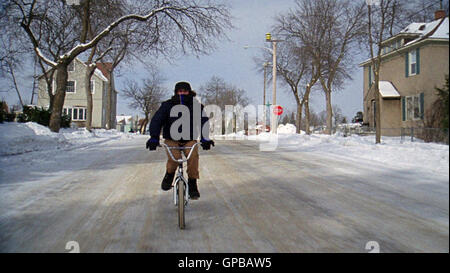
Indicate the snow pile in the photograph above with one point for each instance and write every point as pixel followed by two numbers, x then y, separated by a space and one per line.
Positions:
pixel 392 152
pixel 19 138
pixel 287 129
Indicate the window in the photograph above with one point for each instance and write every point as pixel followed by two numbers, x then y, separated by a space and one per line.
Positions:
pixel 413 107
pixel 71 67
pixel 416 110
pixel 409 108
pixel 76 113
pixel 412 63
pixel 371 76
pixel 70 87
pixel 92 86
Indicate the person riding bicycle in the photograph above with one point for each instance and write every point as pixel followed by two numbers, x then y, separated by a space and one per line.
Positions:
pixel 175 136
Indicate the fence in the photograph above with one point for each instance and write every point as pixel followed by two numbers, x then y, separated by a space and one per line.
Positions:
pixel 437 135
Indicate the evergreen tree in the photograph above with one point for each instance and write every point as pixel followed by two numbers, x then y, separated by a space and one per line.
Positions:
pixel 443 97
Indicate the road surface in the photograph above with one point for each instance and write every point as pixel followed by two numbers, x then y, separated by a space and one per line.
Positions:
pixel 107 198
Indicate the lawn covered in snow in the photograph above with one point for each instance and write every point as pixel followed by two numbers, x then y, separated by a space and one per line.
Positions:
pixel 392 151
pixel 26 138
pixel 20 138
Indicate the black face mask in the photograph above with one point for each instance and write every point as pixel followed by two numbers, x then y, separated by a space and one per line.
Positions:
pixel 183 99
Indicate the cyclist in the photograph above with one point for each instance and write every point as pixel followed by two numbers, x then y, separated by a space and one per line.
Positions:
pixel 162 119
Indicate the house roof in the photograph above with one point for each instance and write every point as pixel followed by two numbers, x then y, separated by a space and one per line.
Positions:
pixel 388 90
pixel 437 30
pixel 124 119
pixel 101 71
pixel 105 68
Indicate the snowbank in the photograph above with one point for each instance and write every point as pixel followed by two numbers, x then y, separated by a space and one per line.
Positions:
pixel 287 129
pixel 392 152
pixel 19 138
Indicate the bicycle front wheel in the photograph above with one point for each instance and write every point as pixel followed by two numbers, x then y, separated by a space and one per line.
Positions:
pixel 181 189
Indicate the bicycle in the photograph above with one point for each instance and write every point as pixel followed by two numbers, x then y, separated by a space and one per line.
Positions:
pixel 181 190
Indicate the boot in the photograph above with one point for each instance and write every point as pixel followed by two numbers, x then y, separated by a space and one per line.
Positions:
pixel 167 181
pixel 193 190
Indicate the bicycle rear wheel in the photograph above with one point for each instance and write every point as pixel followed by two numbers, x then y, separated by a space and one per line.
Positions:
pixel 181 189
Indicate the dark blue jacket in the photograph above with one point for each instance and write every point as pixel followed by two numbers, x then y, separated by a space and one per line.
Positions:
pixel 162 119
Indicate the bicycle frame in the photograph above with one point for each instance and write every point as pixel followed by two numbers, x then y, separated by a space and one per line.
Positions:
pixel 180 176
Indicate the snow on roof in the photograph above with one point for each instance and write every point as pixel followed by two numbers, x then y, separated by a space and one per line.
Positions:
pixel 100 75
pixel 105 68
pixel 442 31
pixel 416 28
pixel 127 119
pixel 437 29
pixel 434 30
pixel 387 90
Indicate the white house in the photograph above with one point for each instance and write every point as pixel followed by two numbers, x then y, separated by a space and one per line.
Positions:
pixel 75 102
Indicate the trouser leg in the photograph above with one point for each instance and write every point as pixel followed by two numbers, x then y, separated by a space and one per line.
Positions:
pixel 171 165
pixel 192 164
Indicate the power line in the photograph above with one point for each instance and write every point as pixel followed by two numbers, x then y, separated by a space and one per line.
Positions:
pixel 433 2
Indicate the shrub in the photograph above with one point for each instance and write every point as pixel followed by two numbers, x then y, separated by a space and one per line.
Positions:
pixel 3 111
pixel 41 116
pixel 9 117
pixel 65 121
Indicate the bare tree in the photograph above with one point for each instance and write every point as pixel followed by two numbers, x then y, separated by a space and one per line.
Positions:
pixel 338 116
pixel 293 65
pixel 422 10
pixel 147 97
pixel 343 29
pixel 12 52
pixel 326 29
pixel 314 118
pixel 382 20
pixel 94 18
pixel 217 91
pixel 192 26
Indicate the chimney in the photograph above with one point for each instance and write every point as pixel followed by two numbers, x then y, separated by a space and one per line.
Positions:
pixel 439 14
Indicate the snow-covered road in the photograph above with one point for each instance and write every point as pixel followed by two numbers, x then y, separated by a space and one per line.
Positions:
pixel 107 198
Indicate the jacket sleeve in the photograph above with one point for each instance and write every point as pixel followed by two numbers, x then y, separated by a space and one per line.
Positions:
pixel 159 118
pixel 205 125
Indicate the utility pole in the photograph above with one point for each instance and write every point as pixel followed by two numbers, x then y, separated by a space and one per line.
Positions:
pixel 264 95
pixel 274 79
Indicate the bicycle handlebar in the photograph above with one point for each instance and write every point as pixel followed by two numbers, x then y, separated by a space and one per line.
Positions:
pixel 179 148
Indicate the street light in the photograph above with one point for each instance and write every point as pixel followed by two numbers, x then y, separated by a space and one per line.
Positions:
pixel 273 51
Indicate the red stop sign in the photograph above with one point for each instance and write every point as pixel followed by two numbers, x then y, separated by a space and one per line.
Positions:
pixel 278 110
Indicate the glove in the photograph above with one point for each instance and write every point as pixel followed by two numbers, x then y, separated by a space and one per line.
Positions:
pixel 206 143
pixel 152 143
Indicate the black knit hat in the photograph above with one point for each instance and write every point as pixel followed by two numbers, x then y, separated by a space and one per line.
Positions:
pixel 182 85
